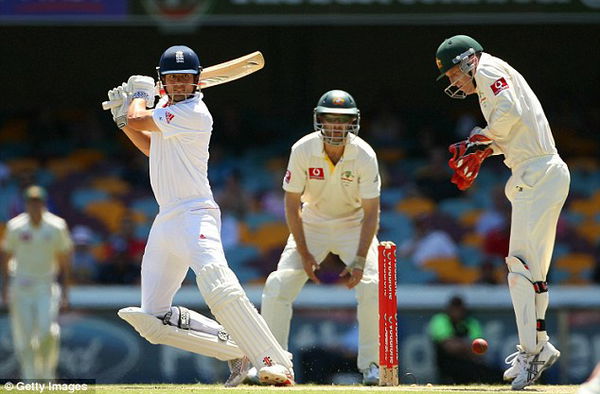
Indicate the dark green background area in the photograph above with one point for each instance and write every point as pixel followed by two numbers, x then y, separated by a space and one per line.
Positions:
pixel 73 66
pixel 229 7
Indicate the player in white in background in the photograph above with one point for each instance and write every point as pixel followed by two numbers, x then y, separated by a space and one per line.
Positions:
pixel 186 231
pixel 518 129
pixel 332 205
pixel 37 248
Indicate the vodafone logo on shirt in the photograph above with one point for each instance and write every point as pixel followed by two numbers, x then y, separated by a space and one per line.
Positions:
pixel 499 86
pixel 316 173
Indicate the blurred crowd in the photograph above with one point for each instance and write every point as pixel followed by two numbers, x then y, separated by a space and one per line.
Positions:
pixel 99 183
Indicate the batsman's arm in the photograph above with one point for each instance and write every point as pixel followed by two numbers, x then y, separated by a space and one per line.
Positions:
pixel 139 125
pixel 140 118
pixel 139 138
pixel 370 225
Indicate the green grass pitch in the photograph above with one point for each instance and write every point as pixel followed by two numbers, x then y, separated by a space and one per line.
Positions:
pixel 314 389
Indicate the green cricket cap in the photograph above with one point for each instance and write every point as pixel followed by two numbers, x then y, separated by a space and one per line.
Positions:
pixel 447 54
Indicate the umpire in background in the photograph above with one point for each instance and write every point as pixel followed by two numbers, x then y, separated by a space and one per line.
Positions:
pixel 37 247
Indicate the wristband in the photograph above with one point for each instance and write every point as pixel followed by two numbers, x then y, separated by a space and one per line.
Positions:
pixel 358 263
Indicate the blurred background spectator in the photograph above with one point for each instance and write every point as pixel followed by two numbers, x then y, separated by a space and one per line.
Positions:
pixel 452 332
pixel 96 180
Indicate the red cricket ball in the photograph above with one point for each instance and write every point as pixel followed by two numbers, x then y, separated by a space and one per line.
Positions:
pixel 479 346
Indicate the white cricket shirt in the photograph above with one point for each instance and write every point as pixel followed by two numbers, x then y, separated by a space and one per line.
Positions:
pixel 179 152
pixel 34 249
pixel 515 118
pixel 332 193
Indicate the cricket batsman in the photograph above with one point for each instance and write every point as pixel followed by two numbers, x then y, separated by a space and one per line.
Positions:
pixel 518 129
pixel 187 230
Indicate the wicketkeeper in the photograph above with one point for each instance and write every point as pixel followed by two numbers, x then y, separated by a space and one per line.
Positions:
pixel 518 129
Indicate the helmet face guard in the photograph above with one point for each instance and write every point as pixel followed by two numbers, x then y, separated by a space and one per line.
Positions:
pixel 336 129
pixel 461 51
pixel 178 59
pixel 172 95
pixel 336 118
pixel 466 63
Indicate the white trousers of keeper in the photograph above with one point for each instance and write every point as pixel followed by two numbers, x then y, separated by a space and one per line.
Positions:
pixel 33 308
pixel 283 285
pixel 537 191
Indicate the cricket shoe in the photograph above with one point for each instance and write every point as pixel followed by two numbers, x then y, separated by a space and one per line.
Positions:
pixel 534 365
pixel 371 375
pixel 252 377
pixel 592 385
pixel 239 370
pixel 514 360
pixel 277 375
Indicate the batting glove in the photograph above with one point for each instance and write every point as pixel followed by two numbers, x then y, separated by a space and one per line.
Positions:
pixel 141 86
pixel 119 113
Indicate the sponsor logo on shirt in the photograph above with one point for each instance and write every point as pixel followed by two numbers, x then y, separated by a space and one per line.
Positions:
pixel 169 116
pixel 347 177
pixel 316 173
pixel 25 236
pixel 288 176
pixel 499 86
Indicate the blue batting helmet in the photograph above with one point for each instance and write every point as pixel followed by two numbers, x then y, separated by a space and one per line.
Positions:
pixel 179 59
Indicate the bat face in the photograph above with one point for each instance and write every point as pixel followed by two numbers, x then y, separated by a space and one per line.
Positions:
pixel 220 73
pixel 231 70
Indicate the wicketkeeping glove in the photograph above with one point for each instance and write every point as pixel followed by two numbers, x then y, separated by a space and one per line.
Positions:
pixel 467 157
pixel 120 113
pixel 141 86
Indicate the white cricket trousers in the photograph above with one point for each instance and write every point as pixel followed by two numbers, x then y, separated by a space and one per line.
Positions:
pixel 283 285
pixel 188 235
pixel 33 307
pixel 181 237
pixel 537 191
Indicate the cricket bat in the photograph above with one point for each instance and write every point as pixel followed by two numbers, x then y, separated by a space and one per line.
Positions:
pixel 219 73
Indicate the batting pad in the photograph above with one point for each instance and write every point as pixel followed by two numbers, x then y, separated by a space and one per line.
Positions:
pixel 228 303
pixel 197 321
pixel 523 298
pixel 204 343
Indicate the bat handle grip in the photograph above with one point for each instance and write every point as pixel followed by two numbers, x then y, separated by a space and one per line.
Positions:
pixel 106 105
